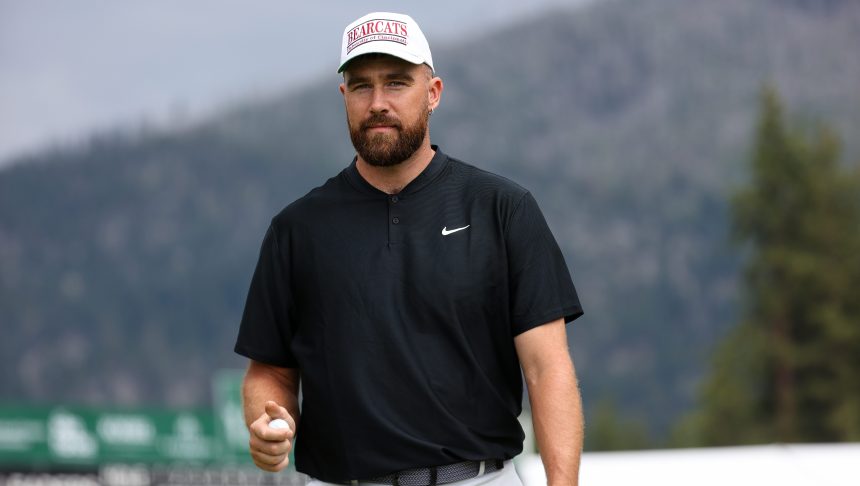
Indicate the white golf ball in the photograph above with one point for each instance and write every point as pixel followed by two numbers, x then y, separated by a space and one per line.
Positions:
pixel 279 424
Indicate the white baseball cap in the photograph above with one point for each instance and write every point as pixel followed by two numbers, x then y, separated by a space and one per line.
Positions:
pixel 387 33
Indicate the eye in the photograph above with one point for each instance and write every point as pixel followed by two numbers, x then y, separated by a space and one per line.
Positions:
pixel 396 84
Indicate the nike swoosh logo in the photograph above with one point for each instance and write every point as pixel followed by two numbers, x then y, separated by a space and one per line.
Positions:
pixel 446 232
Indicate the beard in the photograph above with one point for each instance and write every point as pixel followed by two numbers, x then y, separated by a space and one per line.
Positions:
pixel 386 149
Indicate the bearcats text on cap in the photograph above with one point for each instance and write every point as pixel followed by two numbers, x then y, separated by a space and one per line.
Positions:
pixel 385 33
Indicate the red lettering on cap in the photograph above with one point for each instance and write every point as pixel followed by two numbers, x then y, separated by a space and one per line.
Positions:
pixel 377 30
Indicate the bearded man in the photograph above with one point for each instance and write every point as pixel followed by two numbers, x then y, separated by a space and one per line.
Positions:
pixel 405 295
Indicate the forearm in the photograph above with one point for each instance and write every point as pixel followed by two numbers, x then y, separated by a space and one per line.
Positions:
pixel 558 423
pixel 264 383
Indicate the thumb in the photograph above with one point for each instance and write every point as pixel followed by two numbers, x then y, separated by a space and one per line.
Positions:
pixel 273 410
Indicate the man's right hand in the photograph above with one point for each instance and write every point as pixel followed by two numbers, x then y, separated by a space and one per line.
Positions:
pixel 270 447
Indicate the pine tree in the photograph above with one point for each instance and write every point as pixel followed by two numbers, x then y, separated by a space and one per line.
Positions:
pixel 790 370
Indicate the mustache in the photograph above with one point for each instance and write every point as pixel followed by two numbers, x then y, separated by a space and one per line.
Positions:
pixel 380 120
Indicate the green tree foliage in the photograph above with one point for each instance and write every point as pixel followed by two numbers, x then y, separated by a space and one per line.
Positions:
pixel 609 430
pixel 790 371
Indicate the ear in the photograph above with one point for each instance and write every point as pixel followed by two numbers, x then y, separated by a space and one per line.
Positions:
pixel 342 88
pixel 434 92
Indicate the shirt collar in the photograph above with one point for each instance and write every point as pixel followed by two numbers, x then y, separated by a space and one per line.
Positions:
pixel 433 169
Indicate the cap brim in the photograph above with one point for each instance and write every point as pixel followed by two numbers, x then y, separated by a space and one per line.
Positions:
pixel 406 56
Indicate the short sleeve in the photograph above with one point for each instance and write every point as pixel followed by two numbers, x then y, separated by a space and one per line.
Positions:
pixel 541 289
pixel 265 331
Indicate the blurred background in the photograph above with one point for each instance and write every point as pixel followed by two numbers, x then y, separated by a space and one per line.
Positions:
pixel 697 161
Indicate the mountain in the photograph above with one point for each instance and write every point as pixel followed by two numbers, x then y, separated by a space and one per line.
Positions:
pixel 124 262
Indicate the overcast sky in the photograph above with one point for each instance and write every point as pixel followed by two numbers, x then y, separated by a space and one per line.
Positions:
pixel 69 68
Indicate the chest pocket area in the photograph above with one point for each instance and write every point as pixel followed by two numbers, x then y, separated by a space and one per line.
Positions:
pixel 466 264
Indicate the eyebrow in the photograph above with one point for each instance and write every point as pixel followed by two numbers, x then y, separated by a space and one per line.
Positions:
pixel 399 75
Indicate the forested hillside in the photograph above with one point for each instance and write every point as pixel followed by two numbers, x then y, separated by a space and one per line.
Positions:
pixel 124 261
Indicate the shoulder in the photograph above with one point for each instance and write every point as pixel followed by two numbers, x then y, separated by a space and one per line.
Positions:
pixel 483 181
pixel 512 204
pixel 312 204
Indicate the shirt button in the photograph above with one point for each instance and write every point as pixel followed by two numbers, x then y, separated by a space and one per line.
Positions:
pixel 394 199
pixel 395 220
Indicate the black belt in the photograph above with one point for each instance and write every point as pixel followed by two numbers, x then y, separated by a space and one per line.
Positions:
pixel 430 476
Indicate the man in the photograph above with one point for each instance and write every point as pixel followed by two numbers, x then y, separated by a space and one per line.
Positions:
pixel 406 293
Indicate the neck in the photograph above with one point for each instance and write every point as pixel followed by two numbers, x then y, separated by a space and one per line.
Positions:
pixel 393 179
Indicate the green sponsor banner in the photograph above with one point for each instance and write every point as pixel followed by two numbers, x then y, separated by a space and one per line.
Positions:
pixel 84 436
pixel 23 435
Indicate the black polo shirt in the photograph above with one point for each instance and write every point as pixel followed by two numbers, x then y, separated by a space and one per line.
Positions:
pixel 400 311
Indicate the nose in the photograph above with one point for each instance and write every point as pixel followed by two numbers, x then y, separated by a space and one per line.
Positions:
pixel 378 102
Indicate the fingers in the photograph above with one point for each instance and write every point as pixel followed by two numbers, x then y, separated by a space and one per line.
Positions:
pixel 271 457
pixel 275 411
pixel 261 431
pixel 270 447
pixel 267 463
